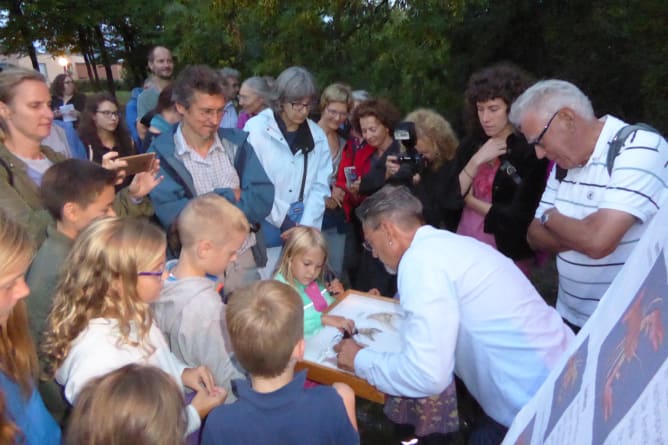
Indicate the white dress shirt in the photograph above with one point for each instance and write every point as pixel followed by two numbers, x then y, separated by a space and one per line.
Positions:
pixel 472 311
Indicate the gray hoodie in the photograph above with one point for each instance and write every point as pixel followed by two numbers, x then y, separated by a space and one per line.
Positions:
pixel 191 315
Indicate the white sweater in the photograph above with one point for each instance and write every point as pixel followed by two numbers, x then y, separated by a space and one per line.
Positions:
pixel 95 352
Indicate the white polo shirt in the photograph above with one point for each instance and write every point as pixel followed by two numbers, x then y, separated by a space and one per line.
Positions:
pixel 638 186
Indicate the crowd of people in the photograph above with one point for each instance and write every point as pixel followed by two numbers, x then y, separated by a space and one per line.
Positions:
pixel 174 302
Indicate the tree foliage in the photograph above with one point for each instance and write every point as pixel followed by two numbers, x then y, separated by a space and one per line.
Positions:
pixel 415 52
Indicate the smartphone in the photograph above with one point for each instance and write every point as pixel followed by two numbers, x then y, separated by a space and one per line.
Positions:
pixel 351 174
pixel 137 163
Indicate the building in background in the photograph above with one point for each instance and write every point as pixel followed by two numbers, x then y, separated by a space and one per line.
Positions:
pixel 51 65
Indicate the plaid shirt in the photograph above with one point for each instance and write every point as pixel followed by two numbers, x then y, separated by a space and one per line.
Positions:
pixel 215 170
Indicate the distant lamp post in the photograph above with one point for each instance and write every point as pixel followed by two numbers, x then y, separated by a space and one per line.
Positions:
pixel 62 61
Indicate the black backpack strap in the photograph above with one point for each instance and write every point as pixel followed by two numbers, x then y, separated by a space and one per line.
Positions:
pixel 301 190
pixel 619 140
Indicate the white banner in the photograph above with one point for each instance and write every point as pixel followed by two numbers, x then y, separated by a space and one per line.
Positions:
pixel 611 387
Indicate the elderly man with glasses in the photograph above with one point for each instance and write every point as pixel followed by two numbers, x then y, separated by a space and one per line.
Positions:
pixel 594 209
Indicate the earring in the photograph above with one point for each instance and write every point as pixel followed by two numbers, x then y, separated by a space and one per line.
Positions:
pixel 389 243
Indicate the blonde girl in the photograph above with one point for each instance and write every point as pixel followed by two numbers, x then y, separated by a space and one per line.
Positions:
pixel 139 404
pixel 24 417
pixel 301 266
pixel 101 319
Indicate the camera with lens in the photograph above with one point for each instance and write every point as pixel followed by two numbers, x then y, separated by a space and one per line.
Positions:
pixel 404 132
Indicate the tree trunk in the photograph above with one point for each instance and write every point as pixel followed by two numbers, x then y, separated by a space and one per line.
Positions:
pixel 129 37
pixel 26 35
pixel 84 46
pixel 33 56
pixel 105 60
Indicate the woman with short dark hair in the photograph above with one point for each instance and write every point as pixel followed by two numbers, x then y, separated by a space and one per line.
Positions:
pixel 501 179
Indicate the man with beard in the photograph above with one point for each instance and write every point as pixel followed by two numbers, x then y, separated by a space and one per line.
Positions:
pixel 161 66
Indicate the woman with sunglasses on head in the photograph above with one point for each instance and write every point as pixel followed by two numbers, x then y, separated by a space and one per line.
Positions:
pixel 295 155
pixel 501 179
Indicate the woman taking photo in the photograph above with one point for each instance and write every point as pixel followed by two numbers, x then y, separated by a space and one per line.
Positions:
pixel 294 153
pixel 64 93
pixel 19 367
pixel 438 175
pixel 103 130
pixel 375 120
pixel 500 177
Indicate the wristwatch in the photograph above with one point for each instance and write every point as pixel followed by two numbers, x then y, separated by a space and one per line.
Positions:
pixel 545 217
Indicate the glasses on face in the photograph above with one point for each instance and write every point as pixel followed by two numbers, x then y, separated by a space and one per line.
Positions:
pixel 157 273
pixel 335 113
pixel 545 128
pixel 109 114
pixel 299 106
pixel 211 112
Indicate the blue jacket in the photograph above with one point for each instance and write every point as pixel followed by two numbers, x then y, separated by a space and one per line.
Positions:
pixel 30 415
pixel 177 187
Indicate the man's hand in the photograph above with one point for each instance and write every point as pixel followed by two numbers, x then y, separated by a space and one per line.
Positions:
pixel 346 351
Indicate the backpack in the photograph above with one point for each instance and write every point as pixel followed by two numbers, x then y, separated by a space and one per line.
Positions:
pixel 616 145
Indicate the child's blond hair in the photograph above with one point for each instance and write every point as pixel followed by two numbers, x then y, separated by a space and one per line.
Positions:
pixel 209 217
pixel 100 281
pixel 301 239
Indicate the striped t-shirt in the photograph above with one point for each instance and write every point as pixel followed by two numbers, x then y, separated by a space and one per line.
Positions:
pixel 638 186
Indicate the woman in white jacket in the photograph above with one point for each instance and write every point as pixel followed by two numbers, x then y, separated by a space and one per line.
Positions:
pixel 295 155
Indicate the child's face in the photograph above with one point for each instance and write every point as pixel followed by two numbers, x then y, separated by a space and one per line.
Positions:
pixel 100 208
pixel 307 265
pixel 149 282
pixel 13 288
pixel 220 254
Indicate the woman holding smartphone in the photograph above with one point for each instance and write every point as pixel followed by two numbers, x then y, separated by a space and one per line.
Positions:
pixel 25 119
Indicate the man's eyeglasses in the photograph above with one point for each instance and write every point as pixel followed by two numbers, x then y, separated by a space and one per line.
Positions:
pixel 109 114
pixel 211 112
pixel 545 128
pixel 298 106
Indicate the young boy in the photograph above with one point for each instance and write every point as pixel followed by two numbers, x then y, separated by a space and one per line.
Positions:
pixel 75 192
pixel 190 311
pixel 266 325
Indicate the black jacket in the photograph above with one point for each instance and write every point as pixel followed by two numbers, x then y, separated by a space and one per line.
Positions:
pixel 513 203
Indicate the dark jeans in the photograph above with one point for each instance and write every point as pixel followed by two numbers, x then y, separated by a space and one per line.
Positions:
pixel 486 431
